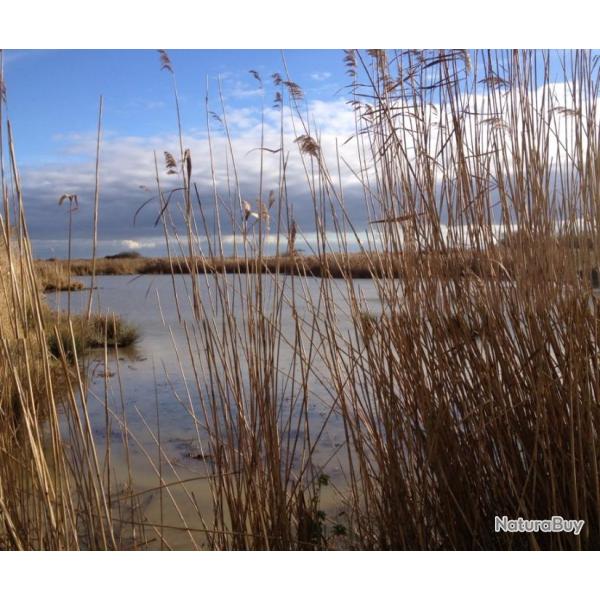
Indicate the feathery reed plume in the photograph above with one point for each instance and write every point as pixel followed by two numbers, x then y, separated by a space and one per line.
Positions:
pixel 308 145
pixel 467 60
pixel 350 62
pixel 495 81
pixel 248 212
pixel 165 61
pixel 294 90
pixel 170 163
pixel 256 76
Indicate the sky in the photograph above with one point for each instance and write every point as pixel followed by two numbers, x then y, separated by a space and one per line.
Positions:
pixel 52 103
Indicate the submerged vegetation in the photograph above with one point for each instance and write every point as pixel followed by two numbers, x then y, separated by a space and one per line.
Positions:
pixel 473 392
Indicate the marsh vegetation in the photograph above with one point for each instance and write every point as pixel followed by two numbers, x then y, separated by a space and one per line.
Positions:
pixel 461 384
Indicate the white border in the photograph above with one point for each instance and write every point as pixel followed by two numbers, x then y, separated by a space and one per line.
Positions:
pixel 309 24
pixel 303 24
pixel 302 576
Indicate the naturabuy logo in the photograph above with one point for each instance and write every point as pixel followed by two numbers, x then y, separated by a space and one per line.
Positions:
pixel 555 524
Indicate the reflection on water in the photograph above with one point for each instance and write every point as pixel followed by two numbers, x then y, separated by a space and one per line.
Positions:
pixel 150 387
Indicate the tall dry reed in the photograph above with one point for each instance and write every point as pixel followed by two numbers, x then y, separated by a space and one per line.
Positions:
pixel 474 390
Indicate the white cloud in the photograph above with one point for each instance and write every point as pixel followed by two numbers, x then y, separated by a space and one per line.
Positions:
pixel 137 245
pixel 320 75
pixel 243 90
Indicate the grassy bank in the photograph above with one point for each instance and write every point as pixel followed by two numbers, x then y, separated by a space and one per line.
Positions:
pixel 53 276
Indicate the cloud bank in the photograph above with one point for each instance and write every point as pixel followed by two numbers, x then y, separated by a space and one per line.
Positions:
pixel 128 177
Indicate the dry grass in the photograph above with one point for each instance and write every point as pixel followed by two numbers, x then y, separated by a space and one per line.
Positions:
pixel 55 493
pixel 6 316
pixel 53 277
pixel 476 396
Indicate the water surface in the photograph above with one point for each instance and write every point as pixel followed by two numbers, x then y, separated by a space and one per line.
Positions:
pixel 152 387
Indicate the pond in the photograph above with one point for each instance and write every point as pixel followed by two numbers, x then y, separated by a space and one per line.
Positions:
pixel 153 386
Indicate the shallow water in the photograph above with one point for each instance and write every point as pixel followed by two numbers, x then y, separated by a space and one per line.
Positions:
pixel 152 387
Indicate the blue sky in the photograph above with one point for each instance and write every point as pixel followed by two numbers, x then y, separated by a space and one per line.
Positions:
pixel 55 92
pixel 52 102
